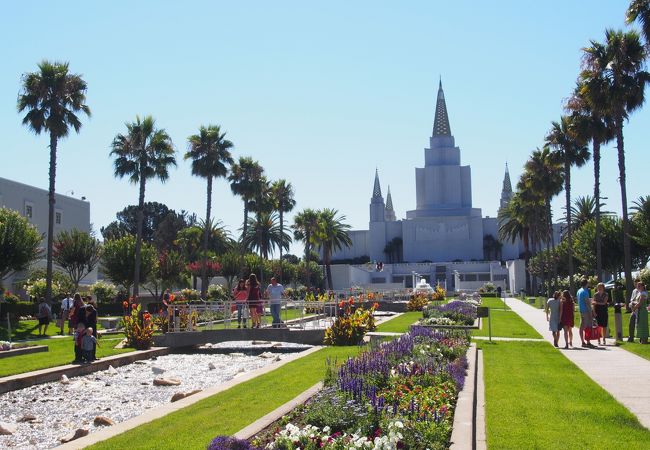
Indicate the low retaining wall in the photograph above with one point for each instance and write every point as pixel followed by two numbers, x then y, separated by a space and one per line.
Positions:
pixel 469 416
pixel 191 338
pixel 24 380
pixel 24 351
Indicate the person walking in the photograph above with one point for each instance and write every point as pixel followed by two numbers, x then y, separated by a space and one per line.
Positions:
pixel 254 300
pixel 66 305
pixel 275 292
pixel 641 308
pixel 633 301
pixel 553 316
pixel 240 295
pixel 44 316
pixel 586 314
pixel 600 309
pixel 566 318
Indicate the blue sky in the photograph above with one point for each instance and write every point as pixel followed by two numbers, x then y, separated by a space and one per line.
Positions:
pixel 321 93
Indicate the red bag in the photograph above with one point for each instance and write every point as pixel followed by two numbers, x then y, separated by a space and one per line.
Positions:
pixel 592 333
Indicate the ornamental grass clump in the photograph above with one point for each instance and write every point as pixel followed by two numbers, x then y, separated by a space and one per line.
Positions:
pixel 401 395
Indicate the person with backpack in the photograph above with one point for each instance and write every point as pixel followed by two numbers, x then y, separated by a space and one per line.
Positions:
pixel 44 316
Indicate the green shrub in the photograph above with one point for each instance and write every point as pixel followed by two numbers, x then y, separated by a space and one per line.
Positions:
pixel 104 292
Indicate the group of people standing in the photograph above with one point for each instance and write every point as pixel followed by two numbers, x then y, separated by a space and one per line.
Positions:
pixel 594 316
pixel 80 315
pixel 250 302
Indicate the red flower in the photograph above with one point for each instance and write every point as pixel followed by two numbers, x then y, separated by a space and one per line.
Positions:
pixel 125 304
pixel 134 305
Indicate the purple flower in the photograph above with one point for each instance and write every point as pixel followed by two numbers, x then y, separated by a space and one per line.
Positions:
pixel 230 443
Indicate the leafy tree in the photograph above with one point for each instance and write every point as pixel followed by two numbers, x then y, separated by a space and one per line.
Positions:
pixel 118 261
pixel 306 228
pixel 569 151
pixel 210 154
pixel 52 97
pixel 333 236
pixel 618 66
pixel 641 220
pixel 19 243
pixel 230 267
pixel 77 253
pixel 144 152
pixel 169 272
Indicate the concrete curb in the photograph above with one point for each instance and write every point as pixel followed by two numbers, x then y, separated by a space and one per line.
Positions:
pixel 166 409
pixel 469 424
pixel 24 351
pixel 23 380
pixel 262 423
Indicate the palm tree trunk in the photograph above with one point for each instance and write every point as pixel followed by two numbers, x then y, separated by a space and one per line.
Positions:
pixel 50 218
pixel 281 239
pixel 328 268
pixel 599 249
pixel 627 254
pixel 551 231
pixel 206 235
pixel 244 229
pixel 307 255
pixel 567 191
pixel 527 258
pixel 138 238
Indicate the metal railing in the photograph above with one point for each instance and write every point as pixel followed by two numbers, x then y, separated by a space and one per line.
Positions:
pixel 298 314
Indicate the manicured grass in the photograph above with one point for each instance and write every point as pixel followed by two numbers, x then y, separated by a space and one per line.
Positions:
pixel 401 323
pixel 536 398
pixel 60 352
pixel 506 324
pixel 494 303
pixel 642 350
pixel 229 411
pixel 28 329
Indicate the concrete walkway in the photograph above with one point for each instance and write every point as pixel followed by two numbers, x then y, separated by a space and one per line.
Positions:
pixel 619 372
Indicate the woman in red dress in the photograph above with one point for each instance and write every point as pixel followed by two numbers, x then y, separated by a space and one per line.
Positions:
pixel 566 318
pixel 254 299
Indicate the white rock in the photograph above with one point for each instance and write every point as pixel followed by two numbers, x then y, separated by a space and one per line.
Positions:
pixel 111 370
pixel 65 379
pixel 267 355
pixel 157 370
pixel 211 366
pixel 277 358
pixel 237 354
pixel 7 428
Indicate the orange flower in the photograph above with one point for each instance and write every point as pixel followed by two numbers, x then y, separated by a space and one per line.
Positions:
pixel 125 304
pixel 134 305
pixel 171 297
pixel 375 305
pixel 351 301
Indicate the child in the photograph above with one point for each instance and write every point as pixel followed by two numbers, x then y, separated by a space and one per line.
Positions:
pixel 78 336
pixel 88 343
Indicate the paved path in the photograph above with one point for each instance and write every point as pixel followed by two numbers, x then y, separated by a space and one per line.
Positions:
pixel 614 369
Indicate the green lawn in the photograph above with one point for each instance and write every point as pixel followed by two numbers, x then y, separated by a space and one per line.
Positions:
pixel 60 352
pixel 401 323
pixel 495 303
pixel 538 399
pixel 28 329
pixel 506 324
pixel 229 411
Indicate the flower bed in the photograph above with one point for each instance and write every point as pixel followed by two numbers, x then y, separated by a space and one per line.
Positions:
pixel 454 313
pixel 400 395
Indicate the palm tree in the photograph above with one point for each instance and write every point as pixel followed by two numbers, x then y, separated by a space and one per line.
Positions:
pixel 264 234
pixel 570 151
pixel 244 176
pixel 144 152
pixel 333 236
pixel 307 227
pixel 282 193
pixel 210 153
pixel 619 64
pixel 52 97
pixel 639 10
pixel 586 106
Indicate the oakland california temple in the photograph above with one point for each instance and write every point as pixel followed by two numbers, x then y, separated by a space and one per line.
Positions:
pixel 445 237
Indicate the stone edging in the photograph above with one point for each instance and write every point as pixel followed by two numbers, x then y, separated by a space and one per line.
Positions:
pixel 262 423
pixel 24 351
pixel 163 410
pixel 23 380
pixel 469 416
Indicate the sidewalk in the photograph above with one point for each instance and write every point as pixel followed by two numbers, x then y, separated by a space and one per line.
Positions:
pixel 618 371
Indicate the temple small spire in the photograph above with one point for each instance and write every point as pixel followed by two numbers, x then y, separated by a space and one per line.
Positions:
pixel 390 212
pixel 506 190
pixel 376 191
pixel 441 122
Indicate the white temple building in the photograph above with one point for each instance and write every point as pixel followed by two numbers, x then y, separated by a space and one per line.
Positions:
pixel 444 239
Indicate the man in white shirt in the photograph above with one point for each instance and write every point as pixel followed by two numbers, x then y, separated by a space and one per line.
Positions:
pixel 66 306
pixel 274 293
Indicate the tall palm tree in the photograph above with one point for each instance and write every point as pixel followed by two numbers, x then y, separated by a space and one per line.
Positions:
pixel 210 154
pixel 586 107
pixel 570 151
pixel 307 228
pixel 282 193
pixel 243 178
pixel 639 10
pixel 333 236
pixel 264 234
pixel 52 97
pixel 144 152
pixel 619 63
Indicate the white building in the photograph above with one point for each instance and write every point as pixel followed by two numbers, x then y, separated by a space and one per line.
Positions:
pixel 32 202
pixel 445 238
